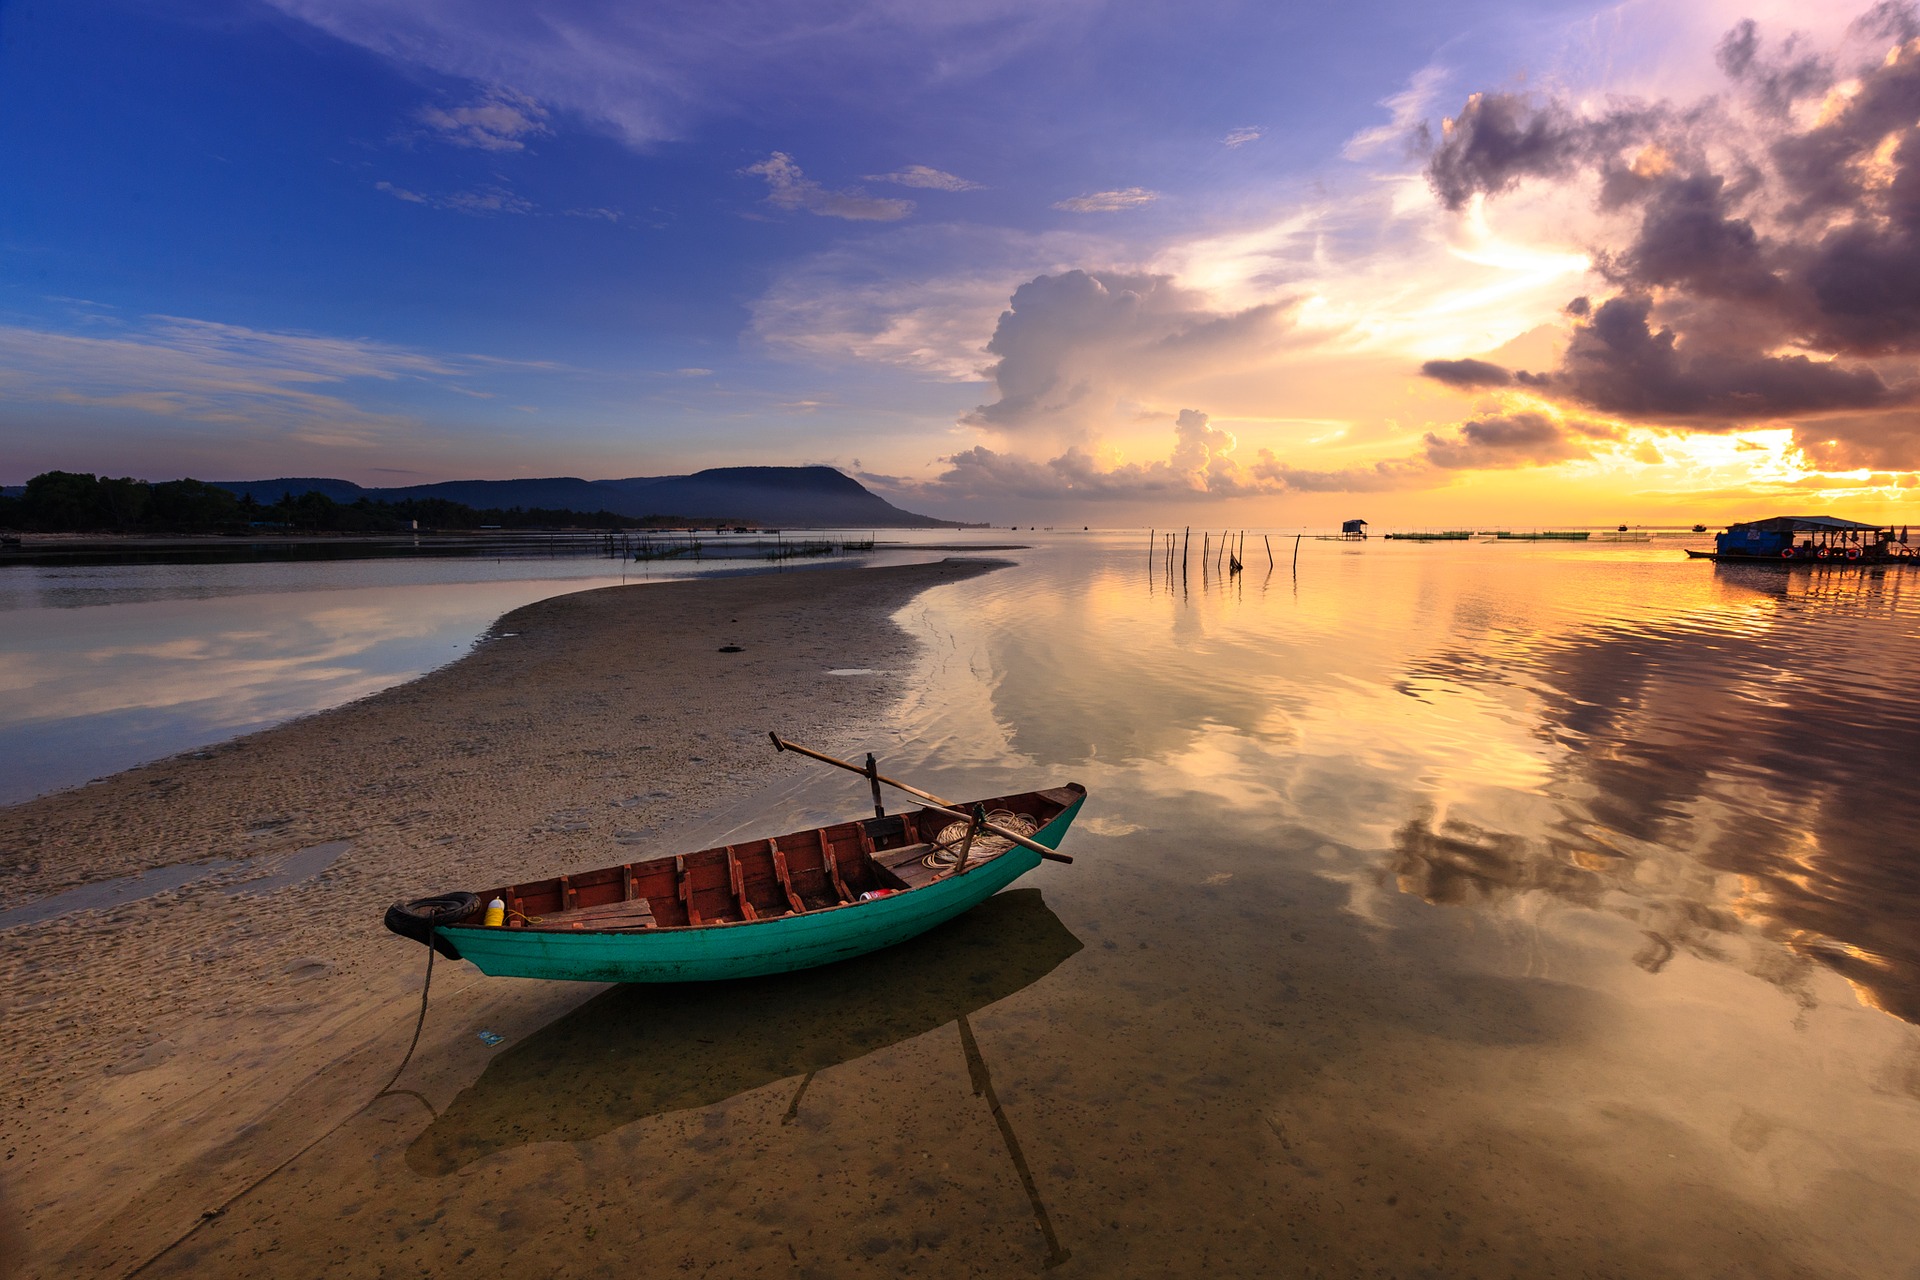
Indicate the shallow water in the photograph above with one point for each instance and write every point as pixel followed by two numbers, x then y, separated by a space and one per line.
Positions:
pixel 1448 909
pixel 103 667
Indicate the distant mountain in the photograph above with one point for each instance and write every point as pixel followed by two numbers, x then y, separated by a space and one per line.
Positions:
pixel 805 497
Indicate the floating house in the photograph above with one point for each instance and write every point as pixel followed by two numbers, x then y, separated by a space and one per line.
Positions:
pixel 1826 539
pixel 1353 528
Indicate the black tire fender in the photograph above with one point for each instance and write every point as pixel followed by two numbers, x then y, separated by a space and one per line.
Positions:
pixel 421 919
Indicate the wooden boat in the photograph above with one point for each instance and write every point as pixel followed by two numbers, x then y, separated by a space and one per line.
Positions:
pixel 761 906
pixel 636 1050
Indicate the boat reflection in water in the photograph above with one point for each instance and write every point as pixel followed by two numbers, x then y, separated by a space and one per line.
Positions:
pixel 640 1051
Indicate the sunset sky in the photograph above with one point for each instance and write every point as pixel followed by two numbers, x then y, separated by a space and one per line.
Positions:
pixel 1219 263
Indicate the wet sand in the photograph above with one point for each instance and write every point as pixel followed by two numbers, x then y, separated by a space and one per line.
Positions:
pixel 166 1053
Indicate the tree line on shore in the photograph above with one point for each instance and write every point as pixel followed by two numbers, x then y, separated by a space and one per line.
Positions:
pixel 80 502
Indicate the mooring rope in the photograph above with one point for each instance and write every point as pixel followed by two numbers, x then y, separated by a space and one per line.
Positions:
pixel 385 1091
pixel 425 987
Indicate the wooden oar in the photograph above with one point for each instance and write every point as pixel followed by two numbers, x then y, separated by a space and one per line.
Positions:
pixel 933 801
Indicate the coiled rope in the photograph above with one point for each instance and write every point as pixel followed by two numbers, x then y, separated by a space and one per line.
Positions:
pixel 947 844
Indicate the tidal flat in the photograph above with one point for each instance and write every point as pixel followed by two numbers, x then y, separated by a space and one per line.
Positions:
pixel 1451 910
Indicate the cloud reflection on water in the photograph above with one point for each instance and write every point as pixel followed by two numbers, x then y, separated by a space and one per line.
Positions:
pixel 1721 757
pixel 149 678
pixel 1719 775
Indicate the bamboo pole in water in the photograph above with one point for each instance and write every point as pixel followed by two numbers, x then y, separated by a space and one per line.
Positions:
pixel 1269 541
pixel 1296 555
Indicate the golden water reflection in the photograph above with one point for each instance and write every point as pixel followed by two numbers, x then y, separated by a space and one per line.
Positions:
pixel 1724 757
pixel 1715 780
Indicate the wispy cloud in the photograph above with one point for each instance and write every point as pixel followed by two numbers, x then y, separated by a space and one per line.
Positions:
pixel 789 188
pixel 1242 136
pixel 480 202
pixel 502 120
pixel 295 384
pixel 1409 110
pixel 646 72
pixel 919 175
pixel 1109 201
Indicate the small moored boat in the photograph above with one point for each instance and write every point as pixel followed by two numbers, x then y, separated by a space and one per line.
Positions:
pixel 760 906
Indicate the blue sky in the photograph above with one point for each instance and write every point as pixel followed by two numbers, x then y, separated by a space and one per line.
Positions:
pixel 416 241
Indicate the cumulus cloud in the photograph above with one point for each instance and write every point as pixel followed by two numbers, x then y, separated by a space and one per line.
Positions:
pixel 789 188
pixel 919 175
pixel 1109 201
pixel 922 296
pixel 1200 464
pixel 1510 440
pixel 502 120
pixel 1073 345
pixel 1203 463
pixel 1764 256
pixel 1466 373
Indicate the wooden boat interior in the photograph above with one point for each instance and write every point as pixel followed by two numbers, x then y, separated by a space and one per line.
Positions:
pixel 793 874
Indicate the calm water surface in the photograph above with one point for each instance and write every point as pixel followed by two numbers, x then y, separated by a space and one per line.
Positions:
pixel 1457 909
pixel 106 667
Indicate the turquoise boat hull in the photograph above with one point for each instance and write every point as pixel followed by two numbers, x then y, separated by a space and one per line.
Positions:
pixel 749 948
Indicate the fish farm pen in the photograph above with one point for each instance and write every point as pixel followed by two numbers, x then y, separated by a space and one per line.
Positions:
pixel 693 546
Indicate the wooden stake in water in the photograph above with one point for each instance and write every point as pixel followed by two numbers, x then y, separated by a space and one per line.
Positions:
pixel 1296 555
pixel 1269 541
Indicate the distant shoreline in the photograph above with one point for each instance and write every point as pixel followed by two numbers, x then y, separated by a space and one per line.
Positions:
pixel 136 548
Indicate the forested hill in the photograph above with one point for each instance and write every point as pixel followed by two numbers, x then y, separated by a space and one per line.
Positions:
pixel 79 502
pixel 805 497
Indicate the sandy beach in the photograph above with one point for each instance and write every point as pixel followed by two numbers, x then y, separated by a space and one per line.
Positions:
pixel 167 1053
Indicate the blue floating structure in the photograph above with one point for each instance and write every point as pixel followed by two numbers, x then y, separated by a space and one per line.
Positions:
pixel 1810 539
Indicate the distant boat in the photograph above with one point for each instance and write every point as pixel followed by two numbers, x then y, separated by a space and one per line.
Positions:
pixel 1699 528
pixel 760 906
pixel 1549 535
pixel 1824 540
pixel 1621 529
